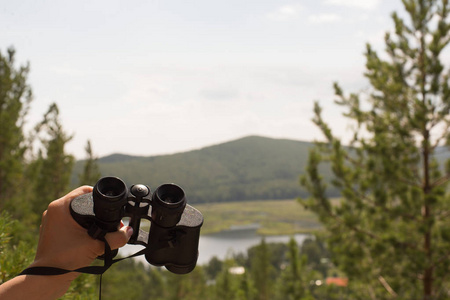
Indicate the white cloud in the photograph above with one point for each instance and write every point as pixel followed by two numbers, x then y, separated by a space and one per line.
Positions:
pixel 285 12
pixel 324 18
pixel 364 4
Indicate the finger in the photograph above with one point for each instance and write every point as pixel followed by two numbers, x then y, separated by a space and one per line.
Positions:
pixel 64 202
pixel 78 192
pixel 119 238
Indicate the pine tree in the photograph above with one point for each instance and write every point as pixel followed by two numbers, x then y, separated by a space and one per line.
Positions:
pixel 15 97
pixel 390 231
pixel 54 165
pixel 91 172
pixel 262 271
pixel 189 286
pixel 292 284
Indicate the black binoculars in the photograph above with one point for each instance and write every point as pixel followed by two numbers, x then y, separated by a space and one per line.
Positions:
pixel 172 240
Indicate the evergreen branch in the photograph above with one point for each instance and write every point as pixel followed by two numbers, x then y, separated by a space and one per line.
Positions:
pixel 370 234
pixel 386 285
pixel 388 210
pixel 402 180
pixel 440 181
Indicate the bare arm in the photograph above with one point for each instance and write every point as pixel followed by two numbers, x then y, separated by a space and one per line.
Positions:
pixel 63 243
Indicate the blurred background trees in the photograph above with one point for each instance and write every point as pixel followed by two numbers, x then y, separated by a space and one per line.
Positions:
pixel 35 169
pixel 15 98
pixel 53 165
pixel 91 172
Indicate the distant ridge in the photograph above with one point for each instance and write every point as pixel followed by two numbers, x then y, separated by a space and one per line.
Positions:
pixel 249 168
pixel 117 157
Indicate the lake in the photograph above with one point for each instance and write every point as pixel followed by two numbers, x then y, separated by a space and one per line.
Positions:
pixel 236 241
pixel 225 243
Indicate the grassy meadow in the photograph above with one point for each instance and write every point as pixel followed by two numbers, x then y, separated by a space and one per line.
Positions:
pixel 275 217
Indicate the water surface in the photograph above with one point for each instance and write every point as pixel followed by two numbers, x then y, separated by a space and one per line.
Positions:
pixel 226 243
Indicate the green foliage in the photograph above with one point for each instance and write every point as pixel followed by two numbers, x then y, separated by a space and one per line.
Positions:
pixel 13 256
pixel 274 217
pixel 293 283
pixel 213 268
pixel 29 180
pixel 263 272
pixel 15 97
pixel 251 168
pixel 228 285
pixel 128 279
pixel 317 255
pixel 84 287
pixel 17 240
pixel 54 165
pixel 289 277
pixel 191 286
pixel 391 218
pixel 132 280
pixel 91 172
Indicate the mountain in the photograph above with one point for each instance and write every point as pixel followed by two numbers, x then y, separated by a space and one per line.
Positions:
pixel 250 168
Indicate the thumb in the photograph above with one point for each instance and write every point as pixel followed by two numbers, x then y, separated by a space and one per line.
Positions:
pixel 119 238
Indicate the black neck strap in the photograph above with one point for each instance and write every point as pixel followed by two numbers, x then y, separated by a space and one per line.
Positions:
pixel 97 233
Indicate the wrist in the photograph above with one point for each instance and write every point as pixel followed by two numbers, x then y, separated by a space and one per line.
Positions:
pixel 36 287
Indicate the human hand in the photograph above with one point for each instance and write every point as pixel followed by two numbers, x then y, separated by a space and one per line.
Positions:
pixel 64 244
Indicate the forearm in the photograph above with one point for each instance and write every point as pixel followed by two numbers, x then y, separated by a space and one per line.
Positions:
pixel 36 287
pixel 63 244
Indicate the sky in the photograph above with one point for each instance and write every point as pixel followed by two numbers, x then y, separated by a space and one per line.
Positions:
pixel 161 77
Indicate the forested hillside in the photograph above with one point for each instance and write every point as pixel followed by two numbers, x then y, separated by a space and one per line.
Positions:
pixel 250 168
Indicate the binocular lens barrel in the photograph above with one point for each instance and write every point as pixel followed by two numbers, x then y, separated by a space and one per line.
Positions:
pixel 111 188
pixel 110 196
pixel 170 195
pixel 168 203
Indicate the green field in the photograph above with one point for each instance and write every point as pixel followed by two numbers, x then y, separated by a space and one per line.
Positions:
pixel 274 217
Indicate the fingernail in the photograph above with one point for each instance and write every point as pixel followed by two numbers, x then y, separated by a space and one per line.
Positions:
pixel 129 231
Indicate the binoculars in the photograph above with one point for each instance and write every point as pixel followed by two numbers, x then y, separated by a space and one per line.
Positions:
pixel 171 241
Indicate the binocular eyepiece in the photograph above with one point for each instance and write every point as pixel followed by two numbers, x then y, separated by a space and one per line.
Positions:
pixel 172 240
